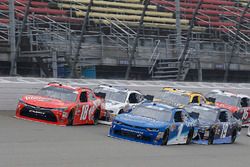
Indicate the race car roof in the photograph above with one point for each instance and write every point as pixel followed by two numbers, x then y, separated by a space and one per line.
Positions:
pixel 114 88
pixel 230 94
pixel 179 91
pixel 205 106
pixel 57 84
pixel 158 106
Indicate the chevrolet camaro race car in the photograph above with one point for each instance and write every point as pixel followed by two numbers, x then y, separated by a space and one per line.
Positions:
pixel 154 123
pixel 61 105
pixel 179 97
pixel 216 125
pixel 118 100
pixel 238 104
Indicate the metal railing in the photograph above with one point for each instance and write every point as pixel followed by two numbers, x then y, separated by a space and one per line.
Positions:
pixel 154 57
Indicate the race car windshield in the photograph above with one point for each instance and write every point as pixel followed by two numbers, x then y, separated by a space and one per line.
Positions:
pixel 202 113
pixel 159 115
pixel 118 96
pixel 174 98
pixel 58 93
pixel 230 100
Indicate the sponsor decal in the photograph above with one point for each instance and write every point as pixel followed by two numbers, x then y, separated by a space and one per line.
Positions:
pixel 133 131
pixel 37 98
pixel 36 112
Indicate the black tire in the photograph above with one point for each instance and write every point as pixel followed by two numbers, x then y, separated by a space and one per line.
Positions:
pixel 71 118
pixel 234 135
pixel 190 136
pixel 165 138
pixel 120 112
pixel 96 116
pixel 211 137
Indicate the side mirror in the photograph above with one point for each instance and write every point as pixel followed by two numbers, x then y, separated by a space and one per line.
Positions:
pixel 101 95
pixel 211 99
pixel 149 97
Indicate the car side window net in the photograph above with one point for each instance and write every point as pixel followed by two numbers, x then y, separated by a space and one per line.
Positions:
pixel 83 97
pixel 195 99
pixel 133 98
pixel 223 117
pixel 245 102
pixel 178 117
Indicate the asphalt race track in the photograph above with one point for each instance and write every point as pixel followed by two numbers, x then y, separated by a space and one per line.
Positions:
pixel 29 144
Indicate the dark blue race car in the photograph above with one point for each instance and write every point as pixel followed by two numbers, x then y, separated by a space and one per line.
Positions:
pixel 154 123
pixel 216 125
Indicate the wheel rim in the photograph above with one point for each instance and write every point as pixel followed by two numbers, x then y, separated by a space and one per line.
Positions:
pixel 190 136
pixel 233 137
pixel 165 138
pixel 96 117
pixel 70 119
pixel 211 138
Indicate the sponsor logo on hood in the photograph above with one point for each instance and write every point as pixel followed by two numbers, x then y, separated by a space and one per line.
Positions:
pixel 37 98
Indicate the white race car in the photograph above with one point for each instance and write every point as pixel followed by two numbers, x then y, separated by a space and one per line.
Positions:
pixel 118 100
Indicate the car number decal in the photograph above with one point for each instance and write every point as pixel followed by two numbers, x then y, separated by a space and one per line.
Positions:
pixel 224 130
pixel 85 110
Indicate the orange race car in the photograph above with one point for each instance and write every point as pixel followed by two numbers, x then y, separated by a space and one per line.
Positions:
pixel 61 105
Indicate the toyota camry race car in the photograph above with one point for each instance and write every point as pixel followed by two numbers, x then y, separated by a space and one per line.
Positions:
pixel 179 97
pixel 238 104
pixel 216 125
pixel 61 105
pixel 154 123
pixel 118 100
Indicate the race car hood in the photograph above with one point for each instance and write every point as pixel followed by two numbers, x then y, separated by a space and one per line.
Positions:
pixel 139 121
pixel 168 102
pixel 113 105
pixel 45 102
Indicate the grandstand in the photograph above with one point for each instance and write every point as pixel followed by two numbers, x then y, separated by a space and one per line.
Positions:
pixel 217 42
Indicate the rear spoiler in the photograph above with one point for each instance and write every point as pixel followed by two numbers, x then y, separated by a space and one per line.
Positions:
pixel 101 95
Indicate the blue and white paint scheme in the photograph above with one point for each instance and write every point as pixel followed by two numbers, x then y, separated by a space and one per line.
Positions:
pixel 154 123
pixel 215 125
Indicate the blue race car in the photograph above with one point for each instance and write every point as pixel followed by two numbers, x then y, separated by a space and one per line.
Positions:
pixel 154 123
pixel 216 125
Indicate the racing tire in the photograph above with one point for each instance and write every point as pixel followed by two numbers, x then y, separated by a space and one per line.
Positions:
pixel 190 136
pixel 234 135
pixel 96 116
pixel 165 138
pixel 120 112
pixel 71 118
pixel 211 137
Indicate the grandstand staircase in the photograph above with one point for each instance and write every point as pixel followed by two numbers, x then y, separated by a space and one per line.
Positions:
pixel 118 33
pixel 168 68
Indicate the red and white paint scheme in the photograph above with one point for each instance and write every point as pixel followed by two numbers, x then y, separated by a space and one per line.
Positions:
pixel 61 105
pixel 238 104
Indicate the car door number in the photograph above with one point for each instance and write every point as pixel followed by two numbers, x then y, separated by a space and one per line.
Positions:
pixel 87 111
pixel 224 130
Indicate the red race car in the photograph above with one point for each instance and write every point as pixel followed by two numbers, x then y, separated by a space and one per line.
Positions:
pixel 61 105
pixel 238 104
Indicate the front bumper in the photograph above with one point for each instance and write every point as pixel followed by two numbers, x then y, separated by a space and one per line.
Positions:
pixel 136 134
pixel 37 114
